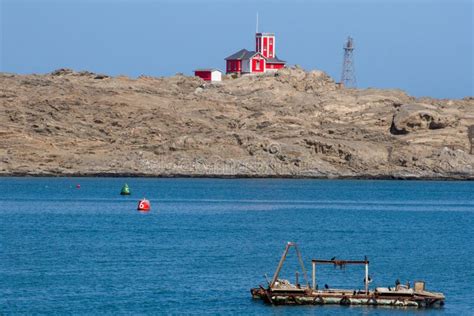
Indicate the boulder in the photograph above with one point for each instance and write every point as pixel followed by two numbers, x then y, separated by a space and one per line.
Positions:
pixel 413 117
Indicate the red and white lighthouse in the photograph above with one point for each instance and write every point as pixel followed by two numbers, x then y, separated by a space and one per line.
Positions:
pixel 265 44
pixel 261 60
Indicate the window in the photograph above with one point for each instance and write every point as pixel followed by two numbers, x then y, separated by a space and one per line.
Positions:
pixel 270 47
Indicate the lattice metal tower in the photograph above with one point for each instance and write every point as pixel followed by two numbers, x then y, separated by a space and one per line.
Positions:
pixel 348 78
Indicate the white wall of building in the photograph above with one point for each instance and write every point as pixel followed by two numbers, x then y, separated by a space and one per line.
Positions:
pixel 216 75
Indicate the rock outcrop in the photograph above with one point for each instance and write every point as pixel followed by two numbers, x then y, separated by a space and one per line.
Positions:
pixel 291 123
pixel 413 117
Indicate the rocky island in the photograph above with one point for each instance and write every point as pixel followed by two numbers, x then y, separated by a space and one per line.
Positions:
pixel 291 123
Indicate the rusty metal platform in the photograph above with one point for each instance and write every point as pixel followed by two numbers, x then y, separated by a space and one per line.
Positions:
pixel 282 292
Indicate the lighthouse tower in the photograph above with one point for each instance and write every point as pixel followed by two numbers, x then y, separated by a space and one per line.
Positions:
pixel 265 44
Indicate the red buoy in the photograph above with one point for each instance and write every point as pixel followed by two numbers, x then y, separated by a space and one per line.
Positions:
pixel 143 205
pixel 78 186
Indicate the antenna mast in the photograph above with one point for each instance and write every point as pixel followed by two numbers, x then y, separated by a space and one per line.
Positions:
pixel 348 78
pixel 256 27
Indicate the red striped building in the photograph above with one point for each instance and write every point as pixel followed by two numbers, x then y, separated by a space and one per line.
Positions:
pixel 261 60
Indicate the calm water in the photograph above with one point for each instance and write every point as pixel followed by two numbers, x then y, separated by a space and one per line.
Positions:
pixel 207 242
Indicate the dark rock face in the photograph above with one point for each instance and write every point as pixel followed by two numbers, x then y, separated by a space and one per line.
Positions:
pixel 62 72
pixel 290 123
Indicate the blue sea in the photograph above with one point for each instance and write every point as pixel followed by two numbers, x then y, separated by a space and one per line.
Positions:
pixel 206 242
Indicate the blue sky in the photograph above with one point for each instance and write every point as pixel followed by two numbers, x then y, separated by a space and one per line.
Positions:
pixel 424 47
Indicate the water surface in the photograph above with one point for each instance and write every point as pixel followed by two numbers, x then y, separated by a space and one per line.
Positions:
pixel 206 242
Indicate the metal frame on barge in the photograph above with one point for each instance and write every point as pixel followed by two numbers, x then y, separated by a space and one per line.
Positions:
pixel 282 292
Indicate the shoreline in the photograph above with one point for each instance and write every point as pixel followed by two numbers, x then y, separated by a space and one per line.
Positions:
pixel 236 177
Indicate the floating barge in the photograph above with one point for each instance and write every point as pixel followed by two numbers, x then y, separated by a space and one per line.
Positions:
pixel 282 292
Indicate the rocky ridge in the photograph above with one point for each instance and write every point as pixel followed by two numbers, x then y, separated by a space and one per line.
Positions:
pixel 291 123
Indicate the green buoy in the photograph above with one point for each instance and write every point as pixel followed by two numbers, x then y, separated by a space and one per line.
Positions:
pixel 125 190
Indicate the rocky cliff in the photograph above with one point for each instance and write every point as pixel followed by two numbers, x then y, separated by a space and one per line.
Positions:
pixel 290 124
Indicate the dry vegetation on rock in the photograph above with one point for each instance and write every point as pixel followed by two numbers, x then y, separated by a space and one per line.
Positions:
pixel 291 123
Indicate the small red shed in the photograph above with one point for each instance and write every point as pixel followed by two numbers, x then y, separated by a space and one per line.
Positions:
pixel 209 74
